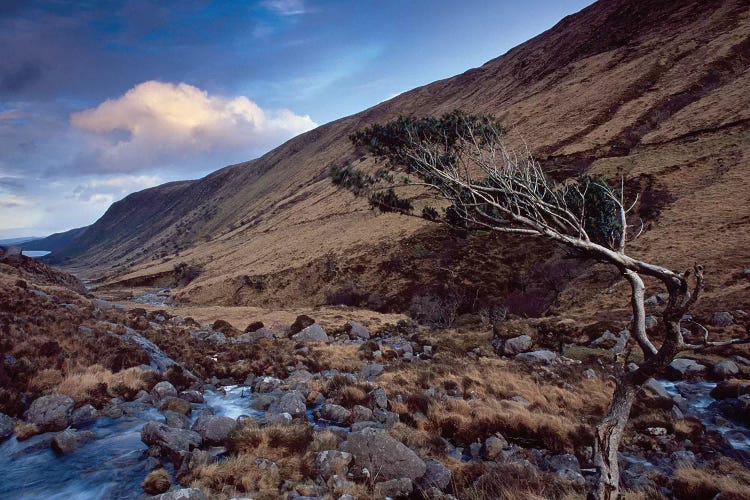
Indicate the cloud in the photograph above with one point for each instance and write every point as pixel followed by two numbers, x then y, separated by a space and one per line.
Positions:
pixel 157 122
pixel 110 188
pixel 286 7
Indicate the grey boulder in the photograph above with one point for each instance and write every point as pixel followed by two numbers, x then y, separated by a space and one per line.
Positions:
pixel 51 413
pixel 383 455
pixel 213 429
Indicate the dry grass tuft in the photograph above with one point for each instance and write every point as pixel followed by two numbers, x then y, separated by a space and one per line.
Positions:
pixel 724 476
pixel 25 430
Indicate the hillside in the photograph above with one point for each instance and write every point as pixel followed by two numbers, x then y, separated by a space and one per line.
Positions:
pixel 655 91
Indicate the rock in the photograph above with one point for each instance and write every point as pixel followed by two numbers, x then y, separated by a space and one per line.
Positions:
pixel 194 459
pixel 176 405
pixel 156 482
pixel 335 413
pixel 192 397
pixel 83 416
pixel 168 440
pixel 394 488
pixel 250 337
pixel 370 371
pixel 683 457
pixel 565 466
pixel 357 331
pixel 493 446
pixel 436 475
pixel 611 341
pixel 51 413
pixel 313 333
pixel 293 403
pixel 542 356
pixel 302 322
pixel 217 338
pixel 162 390
pixel 656 431
pixel 266 384
pixel 517 345
pixel 725 369
pixel 651 322
pixel 722 319
pixel 329 462
pixel 361 413
pixel 262 402
pixel 213 429
pixel 6 426
pixel 682 368
pixel 589 373
pixel 382 454
pixel 69 441
pixel 177 420
pixel 183 494
pixel 730 389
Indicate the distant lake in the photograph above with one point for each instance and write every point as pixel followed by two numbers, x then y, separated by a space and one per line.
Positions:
pixel 35 253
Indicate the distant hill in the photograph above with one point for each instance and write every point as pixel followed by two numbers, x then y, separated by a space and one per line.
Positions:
pixel 54 242
pixel 657 91
pixel 18 241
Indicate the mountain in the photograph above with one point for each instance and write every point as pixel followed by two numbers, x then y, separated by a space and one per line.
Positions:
pixel 19 241
pixel 656 91
pixel 54 242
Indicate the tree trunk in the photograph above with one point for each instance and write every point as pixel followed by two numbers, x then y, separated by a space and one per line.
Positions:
pixel 608 436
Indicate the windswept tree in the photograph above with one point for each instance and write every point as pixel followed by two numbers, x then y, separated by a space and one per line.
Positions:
pixel 478 184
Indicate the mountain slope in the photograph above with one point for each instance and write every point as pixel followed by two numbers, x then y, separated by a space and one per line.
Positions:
pixel 656 90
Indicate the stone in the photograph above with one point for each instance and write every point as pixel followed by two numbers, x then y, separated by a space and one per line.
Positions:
pixel 51 413
pixel 656 388
pixel 611 341
pixel 370 371
pixel 177 420
pixel 565 466
pixel 436 475
pixel 293 403
pixel 589 373
pixel 335 413
pixel 83 416
pixel 721 319
pixel 384 455
pixel 192 397
pixel 517 345
pixel 7 424
pixel 183 494
pixel 725 369
pixel 394 488
pixel 214 429
pixel 542 356
pixel 313 333
pixel 69 441
pixel 730 389
pixel 493 446
pixel 357 331
pixel 475 450
pixel 302 322
pixel 682 457
pixel 168 440
pixel 262 402
pixel 163 390
pixel 361 413
pixel 656 431
pixel 682 368
pixel 176 405
pixel 329 462
pixel 266 384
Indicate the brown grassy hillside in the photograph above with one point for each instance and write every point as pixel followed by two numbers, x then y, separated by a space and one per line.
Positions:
pixel 655 90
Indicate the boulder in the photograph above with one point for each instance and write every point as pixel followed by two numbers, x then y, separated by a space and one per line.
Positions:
pixel 162 390
pixel 335 413
pixel 169 441
pixel 611 341
pixel 302 322
pixel 493 446
pixel 6 426
pixel 266 384
pixel 293 403
pixel 730 389
pixel 329 462
pixel 725 369
pixel 656 387
pixel 565 466
pixel 395 488
pixel 213 429
pixel 51 413
pixel 69 441
pixel 379 397
pixel 192 397
pixel 83 416
pixel 251 337
pixel 517 345
pixel 357 331
pixel 383 455
pixel 183 494
pixel 177 420
pixel 176 405
pixel 721 319
pixel 313 333
pixel 436 475
pixel 370 371
pixel 682 368
pixel 361 413
pixel 542 356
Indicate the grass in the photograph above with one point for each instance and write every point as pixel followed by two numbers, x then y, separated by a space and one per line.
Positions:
pixel 723 476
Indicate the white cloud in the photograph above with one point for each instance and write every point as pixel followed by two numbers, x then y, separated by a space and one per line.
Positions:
pixel 106 190
pixel 156 123
pixel 286 7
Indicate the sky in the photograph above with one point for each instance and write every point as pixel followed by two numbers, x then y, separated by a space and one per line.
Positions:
pixel 99 98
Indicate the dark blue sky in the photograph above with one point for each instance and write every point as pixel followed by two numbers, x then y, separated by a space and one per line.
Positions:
pixel 102 98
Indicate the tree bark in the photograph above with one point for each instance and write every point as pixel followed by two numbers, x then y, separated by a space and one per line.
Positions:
pixel 608 436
